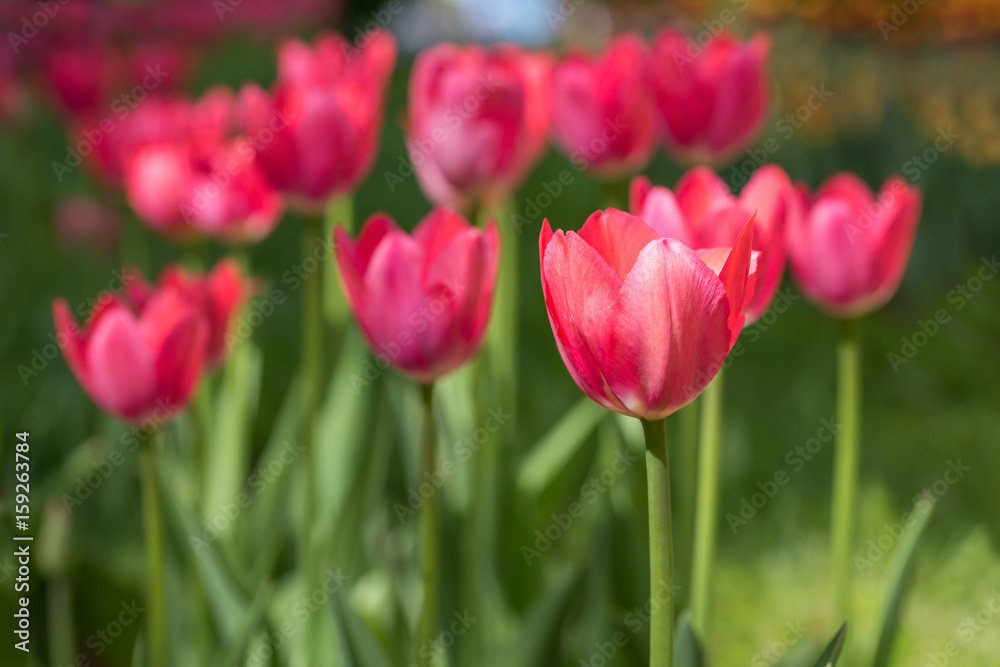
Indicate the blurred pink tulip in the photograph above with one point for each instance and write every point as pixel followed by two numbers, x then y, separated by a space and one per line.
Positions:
pixel 701 213
pixel 712 100
pixel 850 249
pixel 201 182
pixel 218 296
pixel 82 76
pixel 422 300
pixel 643 323
pixel 603 115
pixel 137 363
pixel 478 120
pixel 318 130
pixel 84 221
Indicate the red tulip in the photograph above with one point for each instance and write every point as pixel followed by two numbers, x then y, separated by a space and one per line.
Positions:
pixel 702 213
pixel 602 112
pixel 712 100
pixel 136 362
pixel 318 131
pixel 82 76
pixel 201 182
pixel 422 301
pixel 477 120
pixel 218 296
pixel 850 249
pixel 643 323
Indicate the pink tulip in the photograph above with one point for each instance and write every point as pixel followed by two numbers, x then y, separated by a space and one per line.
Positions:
pixel 137 363
pixel 84 221
pixel 422 301
pixel 602 113
pixel 712 100
pixel 201 181
pixel 701 213
pixel 82 76
pixel 318 130
pixel 477 120
pixel 643 323
pixel 849 251
pixel 218 296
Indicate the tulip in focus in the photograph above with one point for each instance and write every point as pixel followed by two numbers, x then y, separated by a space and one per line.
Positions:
pixel 478 120
pixel 701 213
pixel 850 250
pixel 318 129
pixel 712 100
pixel 422 300
pixel 219 296
pixel 602 112
pixel 643 323
pixel 137 362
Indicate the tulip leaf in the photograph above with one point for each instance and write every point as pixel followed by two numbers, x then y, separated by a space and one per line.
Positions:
pixel 551 453
pixel 832 652
pixel 229 653
pixel 899 581
pixel 688 651
pixel 539 630
pixel 361 644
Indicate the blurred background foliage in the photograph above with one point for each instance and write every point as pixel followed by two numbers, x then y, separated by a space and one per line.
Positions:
pixel 894 91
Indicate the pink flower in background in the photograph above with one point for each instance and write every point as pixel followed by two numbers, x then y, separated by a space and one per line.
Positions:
pixel 712 100
pixel 643 323
pixel 701 213
pixel 318 129
pixel 218 296
pixel 421 300
pixel 478 120
pixel 603 115
pixel 850 249
pixel 82 76
pixel 201 181
pixel 136 362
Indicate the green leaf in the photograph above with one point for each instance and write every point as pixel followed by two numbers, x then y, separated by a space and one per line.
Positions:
pixel 230 652
pixel 539 630
pixel 551 453
pixel 898 583
pixel 362 645
pixel 833 649
pixel 688 651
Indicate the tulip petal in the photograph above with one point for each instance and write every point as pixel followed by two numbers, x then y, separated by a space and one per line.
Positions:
pixel 120 365
pixel 668 331
pixel 618 237
pixel 662 213
pixel 736 279
pixel 180 358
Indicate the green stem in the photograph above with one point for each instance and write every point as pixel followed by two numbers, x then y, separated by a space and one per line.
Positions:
pixel 430 534
pixel 661 547
pixel 707 505
pixel 845 467
pixel 152 520
pixel 340 212
pixel 312 365
pixel 686 459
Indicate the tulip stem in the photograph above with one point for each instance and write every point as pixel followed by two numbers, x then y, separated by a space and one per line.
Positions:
pixel 152 521
pixel 312 365
pixel 661 547
pixel 845 467
pixel 430 532
pixel 707 504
